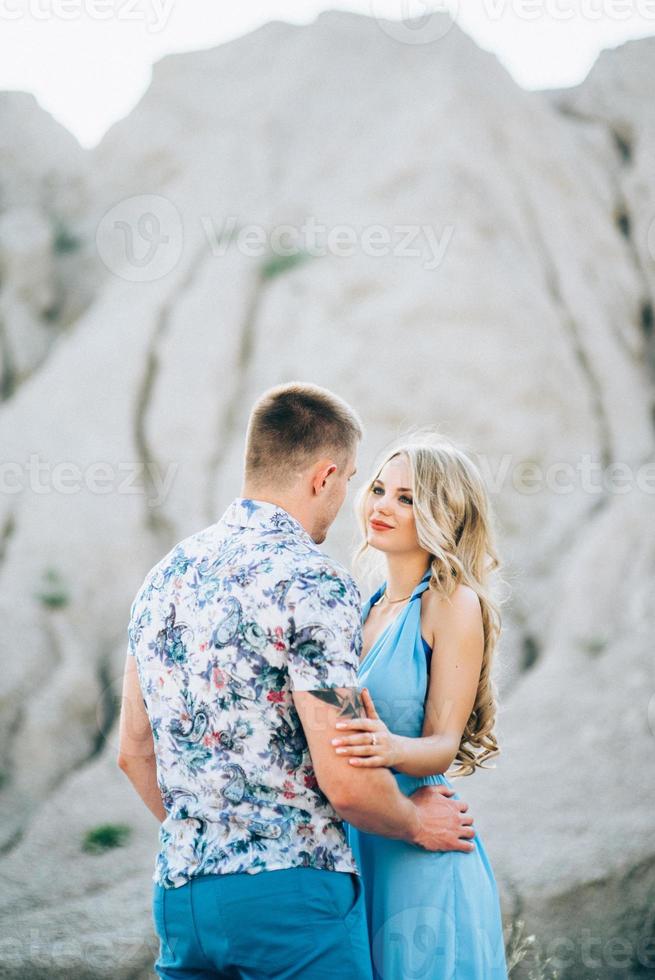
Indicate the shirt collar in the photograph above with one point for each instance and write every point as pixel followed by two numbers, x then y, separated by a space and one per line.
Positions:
pixel 265 516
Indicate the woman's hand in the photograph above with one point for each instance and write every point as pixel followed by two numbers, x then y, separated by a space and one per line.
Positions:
pixel 373 744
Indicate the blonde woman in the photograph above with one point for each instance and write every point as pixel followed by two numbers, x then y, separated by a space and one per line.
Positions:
pixel 428 641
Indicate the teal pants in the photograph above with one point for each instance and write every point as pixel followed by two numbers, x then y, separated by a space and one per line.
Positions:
pixel 289 924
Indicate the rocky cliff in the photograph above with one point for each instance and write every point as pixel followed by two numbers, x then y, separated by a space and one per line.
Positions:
pixel 401 223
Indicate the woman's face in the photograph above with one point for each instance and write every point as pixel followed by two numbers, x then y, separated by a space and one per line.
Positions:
pixel 389 513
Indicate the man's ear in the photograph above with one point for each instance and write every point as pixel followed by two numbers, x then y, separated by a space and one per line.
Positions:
pixel 323 470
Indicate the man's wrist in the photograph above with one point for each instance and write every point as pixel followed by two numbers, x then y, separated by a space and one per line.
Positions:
pixel 414 824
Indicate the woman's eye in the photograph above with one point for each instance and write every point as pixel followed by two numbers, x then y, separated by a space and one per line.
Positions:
pixel 406 500
pixel 377 490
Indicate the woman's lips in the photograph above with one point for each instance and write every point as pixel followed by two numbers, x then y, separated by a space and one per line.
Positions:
pixel 380 526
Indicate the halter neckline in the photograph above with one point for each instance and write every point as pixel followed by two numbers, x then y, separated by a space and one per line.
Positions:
pixel 376 595
pixel 418 590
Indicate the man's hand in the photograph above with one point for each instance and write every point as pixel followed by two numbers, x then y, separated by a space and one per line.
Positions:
pixel 444 825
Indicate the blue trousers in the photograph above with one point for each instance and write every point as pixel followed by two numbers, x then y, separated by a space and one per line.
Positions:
pixel 289 924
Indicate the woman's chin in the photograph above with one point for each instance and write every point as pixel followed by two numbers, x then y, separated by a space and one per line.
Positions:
pixel 373 541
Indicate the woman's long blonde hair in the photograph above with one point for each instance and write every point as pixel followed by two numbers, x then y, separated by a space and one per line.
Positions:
pixel 454 523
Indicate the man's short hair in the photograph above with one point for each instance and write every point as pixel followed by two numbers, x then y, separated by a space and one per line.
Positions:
pixel 293 423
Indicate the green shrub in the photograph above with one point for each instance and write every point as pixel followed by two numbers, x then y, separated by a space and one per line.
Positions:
pixel 53 593
pixel 63 239
pixel 51 313
pixel 277 265
pixel 526 949
pixel 105 837
pixel 594 645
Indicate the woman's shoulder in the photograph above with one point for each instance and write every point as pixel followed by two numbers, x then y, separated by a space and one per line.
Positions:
pixel 461 609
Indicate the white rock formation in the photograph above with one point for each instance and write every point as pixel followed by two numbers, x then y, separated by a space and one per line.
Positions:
pixel 46 272
pixel 508 306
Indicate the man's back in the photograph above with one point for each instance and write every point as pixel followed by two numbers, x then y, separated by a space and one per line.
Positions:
pixel 223 628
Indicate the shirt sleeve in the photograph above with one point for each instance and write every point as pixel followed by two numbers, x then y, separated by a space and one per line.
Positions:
pixel 131 631
pixel 324 628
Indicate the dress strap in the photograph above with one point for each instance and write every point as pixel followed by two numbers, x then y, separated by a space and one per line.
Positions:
pixel 374 598
pixel 419 590
pixel 422 585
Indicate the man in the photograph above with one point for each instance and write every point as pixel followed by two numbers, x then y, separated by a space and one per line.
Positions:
pixel 244 642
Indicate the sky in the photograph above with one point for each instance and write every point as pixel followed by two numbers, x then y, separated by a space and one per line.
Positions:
pixel 88 62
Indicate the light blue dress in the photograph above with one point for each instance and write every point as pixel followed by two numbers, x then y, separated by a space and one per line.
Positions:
pixel 431 915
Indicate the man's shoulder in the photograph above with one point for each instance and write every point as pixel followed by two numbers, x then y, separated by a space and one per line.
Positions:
pixel 188 550
pixel 320 586
pixel 321 566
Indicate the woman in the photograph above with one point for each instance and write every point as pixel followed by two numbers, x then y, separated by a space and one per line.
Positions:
pixel 428 639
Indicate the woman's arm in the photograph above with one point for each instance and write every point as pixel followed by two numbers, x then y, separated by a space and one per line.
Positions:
pixel 454 678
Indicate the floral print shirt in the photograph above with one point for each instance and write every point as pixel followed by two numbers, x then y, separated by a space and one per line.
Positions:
pixel 224 628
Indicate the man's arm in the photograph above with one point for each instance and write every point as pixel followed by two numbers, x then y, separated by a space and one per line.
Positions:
pixel 369 798
pixel 136 752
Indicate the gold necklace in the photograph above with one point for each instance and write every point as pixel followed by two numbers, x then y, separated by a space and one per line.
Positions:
pixel 393 601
